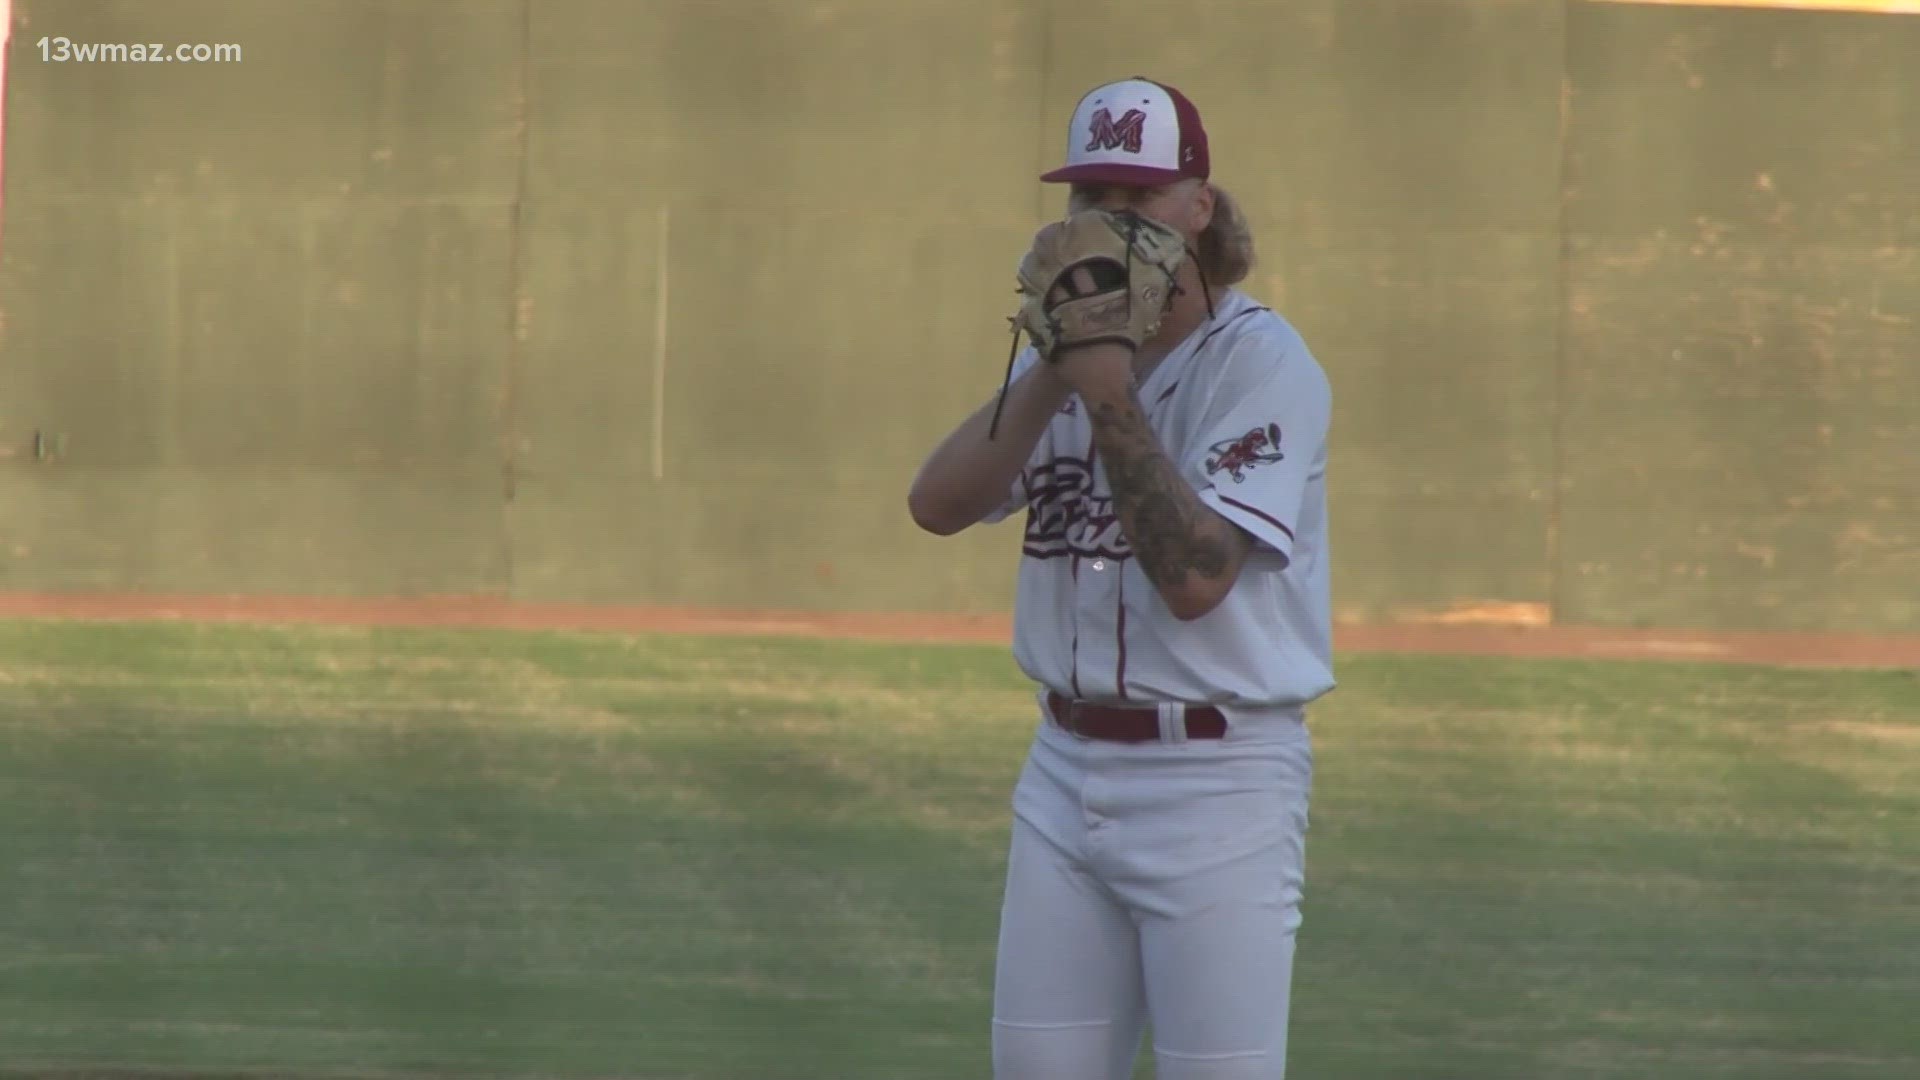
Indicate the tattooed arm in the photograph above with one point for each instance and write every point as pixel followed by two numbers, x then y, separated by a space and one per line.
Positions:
pixel 1190 553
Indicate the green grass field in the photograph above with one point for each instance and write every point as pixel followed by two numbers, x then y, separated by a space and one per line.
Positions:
pixel 339 852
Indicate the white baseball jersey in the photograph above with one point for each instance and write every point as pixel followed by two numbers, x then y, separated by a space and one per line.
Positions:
pixel 1242 408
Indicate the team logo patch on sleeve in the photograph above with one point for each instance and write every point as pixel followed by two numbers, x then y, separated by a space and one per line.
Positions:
pixel 1236 456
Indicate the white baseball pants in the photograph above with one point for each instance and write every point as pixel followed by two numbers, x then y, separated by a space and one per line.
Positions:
pixel 1153 884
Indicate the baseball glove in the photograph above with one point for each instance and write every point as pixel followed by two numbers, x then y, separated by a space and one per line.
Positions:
pixel 1100 276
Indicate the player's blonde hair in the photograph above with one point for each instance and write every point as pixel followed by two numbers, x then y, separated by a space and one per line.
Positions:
pixel 1226 246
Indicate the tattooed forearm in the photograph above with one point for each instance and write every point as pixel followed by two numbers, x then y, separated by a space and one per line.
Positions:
pixel 1174 535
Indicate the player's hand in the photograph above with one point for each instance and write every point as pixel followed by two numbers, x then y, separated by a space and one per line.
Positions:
pixel 1102 372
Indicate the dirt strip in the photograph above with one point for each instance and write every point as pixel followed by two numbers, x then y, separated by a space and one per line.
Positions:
pixel 493 612
pixel 1762 647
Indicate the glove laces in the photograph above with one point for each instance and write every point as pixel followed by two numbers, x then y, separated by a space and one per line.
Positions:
pixel 1006 380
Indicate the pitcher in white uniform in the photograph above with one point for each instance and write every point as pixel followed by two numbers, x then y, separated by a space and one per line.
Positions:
pixel 1173 610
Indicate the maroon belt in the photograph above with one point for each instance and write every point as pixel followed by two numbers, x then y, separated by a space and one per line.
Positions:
pixel 1110 724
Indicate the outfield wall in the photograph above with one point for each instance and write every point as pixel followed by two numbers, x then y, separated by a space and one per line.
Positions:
pixel 662 301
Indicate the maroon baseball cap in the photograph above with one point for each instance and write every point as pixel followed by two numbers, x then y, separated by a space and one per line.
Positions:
pixel 1135 131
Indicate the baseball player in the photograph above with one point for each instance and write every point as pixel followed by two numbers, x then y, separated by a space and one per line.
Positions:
pixel 1166 436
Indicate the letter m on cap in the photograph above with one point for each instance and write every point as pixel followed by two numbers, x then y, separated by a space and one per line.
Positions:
pixel 1125 135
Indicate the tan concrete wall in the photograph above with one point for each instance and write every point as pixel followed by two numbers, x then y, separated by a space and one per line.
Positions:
pixel 260 303
pixel 1742 353
pixel 383 307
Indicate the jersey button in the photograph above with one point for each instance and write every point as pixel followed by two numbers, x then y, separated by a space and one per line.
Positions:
pixel 1099 564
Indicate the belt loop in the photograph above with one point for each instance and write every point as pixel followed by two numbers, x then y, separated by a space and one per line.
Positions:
pixel 1173 722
